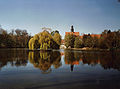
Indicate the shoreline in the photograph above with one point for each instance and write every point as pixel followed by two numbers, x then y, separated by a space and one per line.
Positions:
pixel 91 49
pixel 72 49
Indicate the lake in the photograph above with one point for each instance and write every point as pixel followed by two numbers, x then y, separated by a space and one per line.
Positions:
pixel 59 69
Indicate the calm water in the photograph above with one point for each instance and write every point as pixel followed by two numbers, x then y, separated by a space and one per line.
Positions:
pixel 59 69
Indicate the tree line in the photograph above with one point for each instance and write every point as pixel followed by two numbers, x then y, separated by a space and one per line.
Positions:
pixel 15 39
pixel 108 40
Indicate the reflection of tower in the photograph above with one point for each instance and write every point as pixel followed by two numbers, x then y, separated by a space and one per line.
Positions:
pixel 72 66
pixel 72 29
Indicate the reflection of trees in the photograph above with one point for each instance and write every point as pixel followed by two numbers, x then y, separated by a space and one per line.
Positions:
pixel 90 58
pixel 111 60
pixel 13 57
pixel 107 60
pixel 44 60
pixel 71 58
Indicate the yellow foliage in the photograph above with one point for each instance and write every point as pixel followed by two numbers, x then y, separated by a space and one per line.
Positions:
pixel 45 40
pixel 36 37
pixel 57 38
pixel 31 44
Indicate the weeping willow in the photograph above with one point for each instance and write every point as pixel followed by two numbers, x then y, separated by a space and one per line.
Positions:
pixel 45 41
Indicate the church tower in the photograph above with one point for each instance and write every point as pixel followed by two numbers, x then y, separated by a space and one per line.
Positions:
pixel 72 29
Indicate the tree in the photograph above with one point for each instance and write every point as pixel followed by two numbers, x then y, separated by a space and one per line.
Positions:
pixel 110 40
pixel 113 40
pixel 69 40
pixel 87 40
pixel 45 41
pixel 31 44
pixel 95 42
pixel 15 38
pixel 90 41
pixel 18 32
pixel 53 32
pixel 57 38
pixel 78 42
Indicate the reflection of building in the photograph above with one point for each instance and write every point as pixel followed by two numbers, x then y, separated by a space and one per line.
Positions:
pixel 76 62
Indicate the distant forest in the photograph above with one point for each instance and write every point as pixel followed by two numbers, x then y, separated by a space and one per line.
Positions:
pixel 17 38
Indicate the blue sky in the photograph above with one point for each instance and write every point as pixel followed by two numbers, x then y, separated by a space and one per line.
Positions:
pixel 87 16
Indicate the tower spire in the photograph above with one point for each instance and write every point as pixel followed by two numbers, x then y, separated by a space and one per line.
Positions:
pixel 72 29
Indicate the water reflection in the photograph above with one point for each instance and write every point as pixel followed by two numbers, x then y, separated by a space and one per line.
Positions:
pixel 88 77
pixel 44 60
pixel 107 60
pixel 13 57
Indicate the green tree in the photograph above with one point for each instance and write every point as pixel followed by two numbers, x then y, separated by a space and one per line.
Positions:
pixel 110 40
pixel 90 41
pixel 87 39
pixel 69 40
pixel 78 42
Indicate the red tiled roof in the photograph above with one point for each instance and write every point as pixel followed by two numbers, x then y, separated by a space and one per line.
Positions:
pixel 92 35
pixel 95 35
pixel 81 36
pixel 74 33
